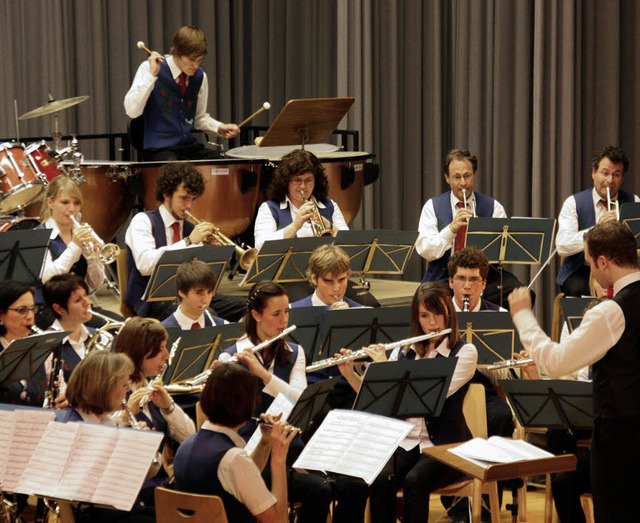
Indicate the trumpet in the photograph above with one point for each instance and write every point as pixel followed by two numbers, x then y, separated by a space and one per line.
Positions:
pixel 612 205
pixel 103 337
pixel 246 257
pixel 97 250
pixel 362 353
pixel 317 223
pixel 509 364
pixel 201 378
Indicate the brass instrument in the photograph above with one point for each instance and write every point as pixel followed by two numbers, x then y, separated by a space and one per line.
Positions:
pixel 509 364
pixel 104 336
pixel 465 304
pixel 246 257
pixel 471 207
pixel 362 353
pixel 612 205
pixel 317 223
pixel 150 389
pixel 97 250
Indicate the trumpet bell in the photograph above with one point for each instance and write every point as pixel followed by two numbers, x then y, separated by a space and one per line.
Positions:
pixel 247 257
pixel 109 253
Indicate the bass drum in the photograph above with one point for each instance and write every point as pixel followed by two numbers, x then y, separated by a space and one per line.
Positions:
pixel 231 192
pixel 19 183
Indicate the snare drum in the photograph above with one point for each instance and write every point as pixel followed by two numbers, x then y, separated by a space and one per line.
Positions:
pixel 43 162
pixel 18 180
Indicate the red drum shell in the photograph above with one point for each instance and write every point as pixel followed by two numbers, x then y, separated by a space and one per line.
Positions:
pixel 42 161
pixel 18 180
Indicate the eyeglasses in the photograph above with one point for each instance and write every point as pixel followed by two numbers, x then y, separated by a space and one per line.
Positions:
pixel 474 280
pixel 303 181
pixel 22 311
pixel 458 178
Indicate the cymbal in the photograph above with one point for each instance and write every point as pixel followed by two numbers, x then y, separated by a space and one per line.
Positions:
pixel 53 106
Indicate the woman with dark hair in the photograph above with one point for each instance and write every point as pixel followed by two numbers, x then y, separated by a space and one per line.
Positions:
pixel 432 310
pixel 17 316
pixel 288 212
pixel 214 461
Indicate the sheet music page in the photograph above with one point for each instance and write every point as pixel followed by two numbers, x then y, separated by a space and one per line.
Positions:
pixel 129 462
pixel 281 404
pixel 29 425
pixel 498 450
pixel 7 420
pixel 353 443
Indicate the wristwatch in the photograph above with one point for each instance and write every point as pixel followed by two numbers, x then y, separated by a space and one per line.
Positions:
pixel 171 408
pixel 187 240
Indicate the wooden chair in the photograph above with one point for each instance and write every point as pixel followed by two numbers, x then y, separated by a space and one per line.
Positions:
pixel 200 416
pixel 123 282
pixel 586 500
pixel 173 506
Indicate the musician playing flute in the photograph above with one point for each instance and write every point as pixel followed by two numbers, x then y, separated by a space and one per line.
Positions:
pixel 607 339
pixel 432 310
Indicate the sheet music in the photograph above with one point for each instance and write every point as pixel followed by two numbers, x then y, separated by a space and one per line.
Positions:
pixel 6 430
pixel 281 404
pixel 496 449
pixel 353 443
pixel 27 430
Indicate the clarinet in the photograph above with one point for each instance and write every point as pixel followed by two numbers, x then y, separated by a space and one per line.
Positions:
pixel 53 389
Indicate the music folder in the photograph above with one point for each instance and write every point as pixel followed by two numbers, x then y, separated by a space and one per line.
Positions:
pixel 492 333
pixel 630 215
pixel 22 358
pixel 311 403
pixel 22 255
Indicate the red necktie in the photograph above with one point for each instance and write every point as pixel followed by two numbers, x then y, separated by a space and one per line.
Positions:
pixel 462 232
pixel 610 292
pixel 604 203
pixel 182 83
pixel 176 232
pixel 196 325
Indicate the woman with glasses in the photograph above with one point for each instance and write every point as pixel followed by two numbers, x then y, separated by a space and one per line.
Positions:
pixel 17 314
pixel 288 213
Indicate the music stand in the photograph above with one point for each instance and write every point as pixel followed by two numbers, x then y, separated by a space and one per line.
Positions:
pixel 198 349
pixel 630 214
pixel 573 310
pixel 492 333
pixel 283 261
pixel 377 251
pixel 162 285
pixel 359 327
pixel 306 120
pixel 21 359
pixel 551 403
pixel 22 255
pixel 308 321
pixel 311 403
pixel 406 388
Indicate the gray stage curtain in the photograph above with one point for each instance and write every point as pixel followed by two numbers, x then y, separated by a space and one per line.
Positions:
pixel 532 87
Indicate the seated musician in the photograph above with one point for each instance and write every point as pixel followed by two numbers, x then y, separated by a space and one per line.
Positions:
pixel 166 228
pixel 17 316
pixel 214 461
pixel 144 340
pixel 195 283
pixel 170 94
pixel 289 213
pixel 432 310
pixel 581 211
pixel 443 224
pixel 280 368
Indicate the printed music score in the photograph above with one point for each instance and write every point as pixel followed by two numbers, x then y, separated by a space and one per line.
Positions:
pixel 496 449
pixel 353 443
pixel 280 405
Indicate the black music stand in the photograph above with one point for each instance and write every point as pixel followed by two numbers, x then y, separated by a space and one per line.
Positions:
pixel 311 402
pixel 21 359
pixel 283 261
pixel 573 310
pixel 493 335
pixel 377 251
pixel 162 285
pixel 308 321
pixel 406 388
pixel 306 121
pixel 359 327
pixel 22 254
pixel 198 349
pixel 522 241
pixel 551 403
pixel 630 214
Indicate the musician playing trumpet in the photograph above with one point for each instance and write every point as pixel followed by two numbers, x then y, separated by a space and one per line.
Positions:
pixel 290 209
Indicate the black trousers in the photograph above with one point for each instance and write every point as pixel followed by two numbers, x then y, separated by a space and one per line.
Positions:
pixel 567 487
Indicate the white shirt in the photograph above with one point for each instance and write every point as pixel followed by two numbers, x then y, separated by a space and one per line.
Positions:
pixel 297 378
pixel 601 328
pixel 186 323
pixel 95 270
pixel 136 99
pixel 569 239
pixel 432 244
pixel 266 228
pixel 465 367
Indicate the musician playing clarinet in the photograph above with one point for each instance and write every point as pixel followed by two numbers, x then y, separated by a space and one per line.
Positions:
pixel 432 310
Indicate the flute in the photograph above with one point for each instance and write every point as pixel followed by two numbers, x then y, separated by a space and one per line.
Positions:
pixel 150 389
pixel 508 364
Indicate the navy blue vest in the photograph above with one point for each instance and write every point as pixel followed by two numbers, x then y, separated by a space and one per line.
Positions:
pixel 168 117
pixel 283 216
pixel 68 414
pixel 450 426
pixel 586 218
pixel 437 269
pixel 171 321
pixel 196 469
pixel 138 283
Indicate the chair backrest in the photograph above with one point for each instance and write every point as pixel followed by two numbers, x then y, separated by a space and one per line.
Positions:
pixel 123 282
pixel 474 408
pixel 173 506
pixel 200 416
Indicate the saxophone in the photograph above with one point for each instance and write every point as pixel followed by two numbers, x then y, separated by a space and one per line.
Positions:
pixel 7 509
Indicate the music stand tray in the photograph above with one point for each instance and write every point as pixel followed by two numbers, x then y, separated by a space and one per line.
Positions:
pixel 306 120
pixel 21 359
pixel 492 333
pixel 551 403
pixel 162 285
pixel 573 310
pixel 406 388
pixel 283 261
pixel 630 214
pixel 22 254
